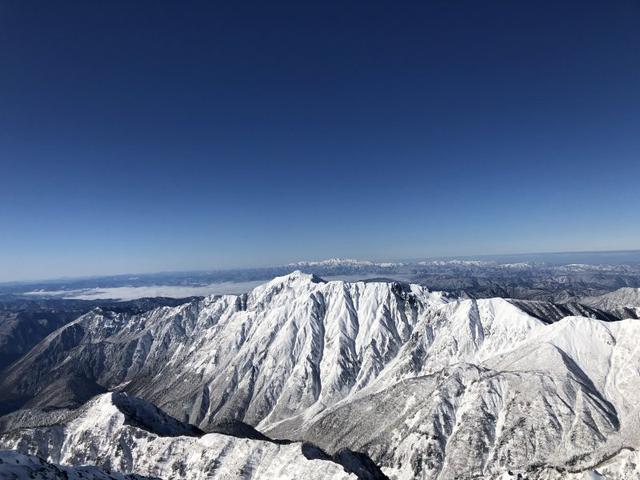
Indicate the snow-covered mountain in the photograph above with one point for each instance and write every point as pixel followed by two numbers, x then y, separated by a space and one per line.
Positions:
pixel 18 466
pixel 332 262
pixel 562 398
pixel 456 262
pixel 125 434
pixel 294 345
pixel 621 298
pixel 426 386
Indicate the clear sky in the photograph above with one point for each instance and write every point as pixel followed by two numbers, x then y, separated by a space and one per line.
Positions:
pixel 139 136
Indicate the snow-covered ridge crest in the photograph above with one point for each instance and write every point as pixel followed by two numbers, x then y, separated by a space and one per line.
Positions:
pixel 117 432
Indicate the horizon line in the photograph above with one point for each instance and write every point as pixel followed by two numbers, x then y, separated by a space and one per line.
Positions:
pixel 291 264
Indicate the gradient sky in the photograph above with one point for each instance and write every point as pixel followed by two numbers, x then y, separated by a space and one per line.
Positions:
pixel 150 135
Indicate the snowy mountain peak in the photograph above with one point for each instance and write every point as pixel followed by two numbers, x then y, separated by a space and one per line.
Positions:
pixel 100 434
pixel 297 276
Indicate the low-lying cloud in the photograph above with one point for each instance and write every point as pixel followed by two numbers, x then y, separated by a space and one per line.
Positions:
pixel 132 293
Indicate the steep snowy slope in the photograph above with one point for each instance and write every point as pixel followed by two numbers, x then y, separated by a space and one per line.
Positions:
pixel 564 398
pixel 23 323
pixel 17 466
pixel 619 299
pixel 294 344
pixel 118 432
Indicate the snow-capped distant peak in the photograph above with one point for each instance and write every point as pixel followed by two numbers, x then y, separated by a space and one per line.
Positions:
pixel 331 262
pixel 515 266
pixel 345 262
pixel 297 276
pixel 465 263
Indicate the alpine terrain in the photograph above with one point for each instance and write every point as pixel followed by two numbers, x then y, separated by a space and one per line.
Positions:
pixel 306 378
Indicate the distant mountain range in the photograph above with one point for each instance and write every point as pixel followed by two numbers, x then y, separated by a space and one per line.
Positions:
pixel 346 262
pixel 555 277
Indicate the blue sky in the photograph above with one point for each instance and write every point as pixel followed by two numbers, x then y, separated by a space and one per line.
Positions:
pixel 145 136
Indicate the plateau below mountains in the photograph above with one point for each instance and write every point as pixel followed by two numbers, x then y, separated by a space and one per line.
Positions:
pixel 302 377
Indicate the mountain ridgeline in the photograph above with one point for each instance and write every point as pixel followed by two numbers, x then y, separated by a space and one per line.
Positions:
pixel 378 378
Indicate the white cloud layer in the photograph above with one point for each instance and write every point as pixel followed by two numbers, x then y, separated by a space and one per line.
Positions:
pixel 131 293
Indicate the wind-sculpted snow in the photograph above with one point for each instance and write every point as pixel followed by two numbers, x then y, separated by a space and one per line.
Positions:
pixel 113 432
pixel 427 387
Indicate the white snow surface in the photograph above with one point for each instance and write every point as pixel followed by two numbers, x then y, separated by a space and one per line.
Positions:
pixel 292 346
pixel 18 466
pixel 344 262
pixel 428 388
pixel 101 434
pixel 623 297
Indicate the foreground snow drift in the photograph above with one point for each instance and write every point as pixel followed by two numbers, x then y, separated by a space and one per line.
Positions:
pixel 116 432
pixel 17 466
